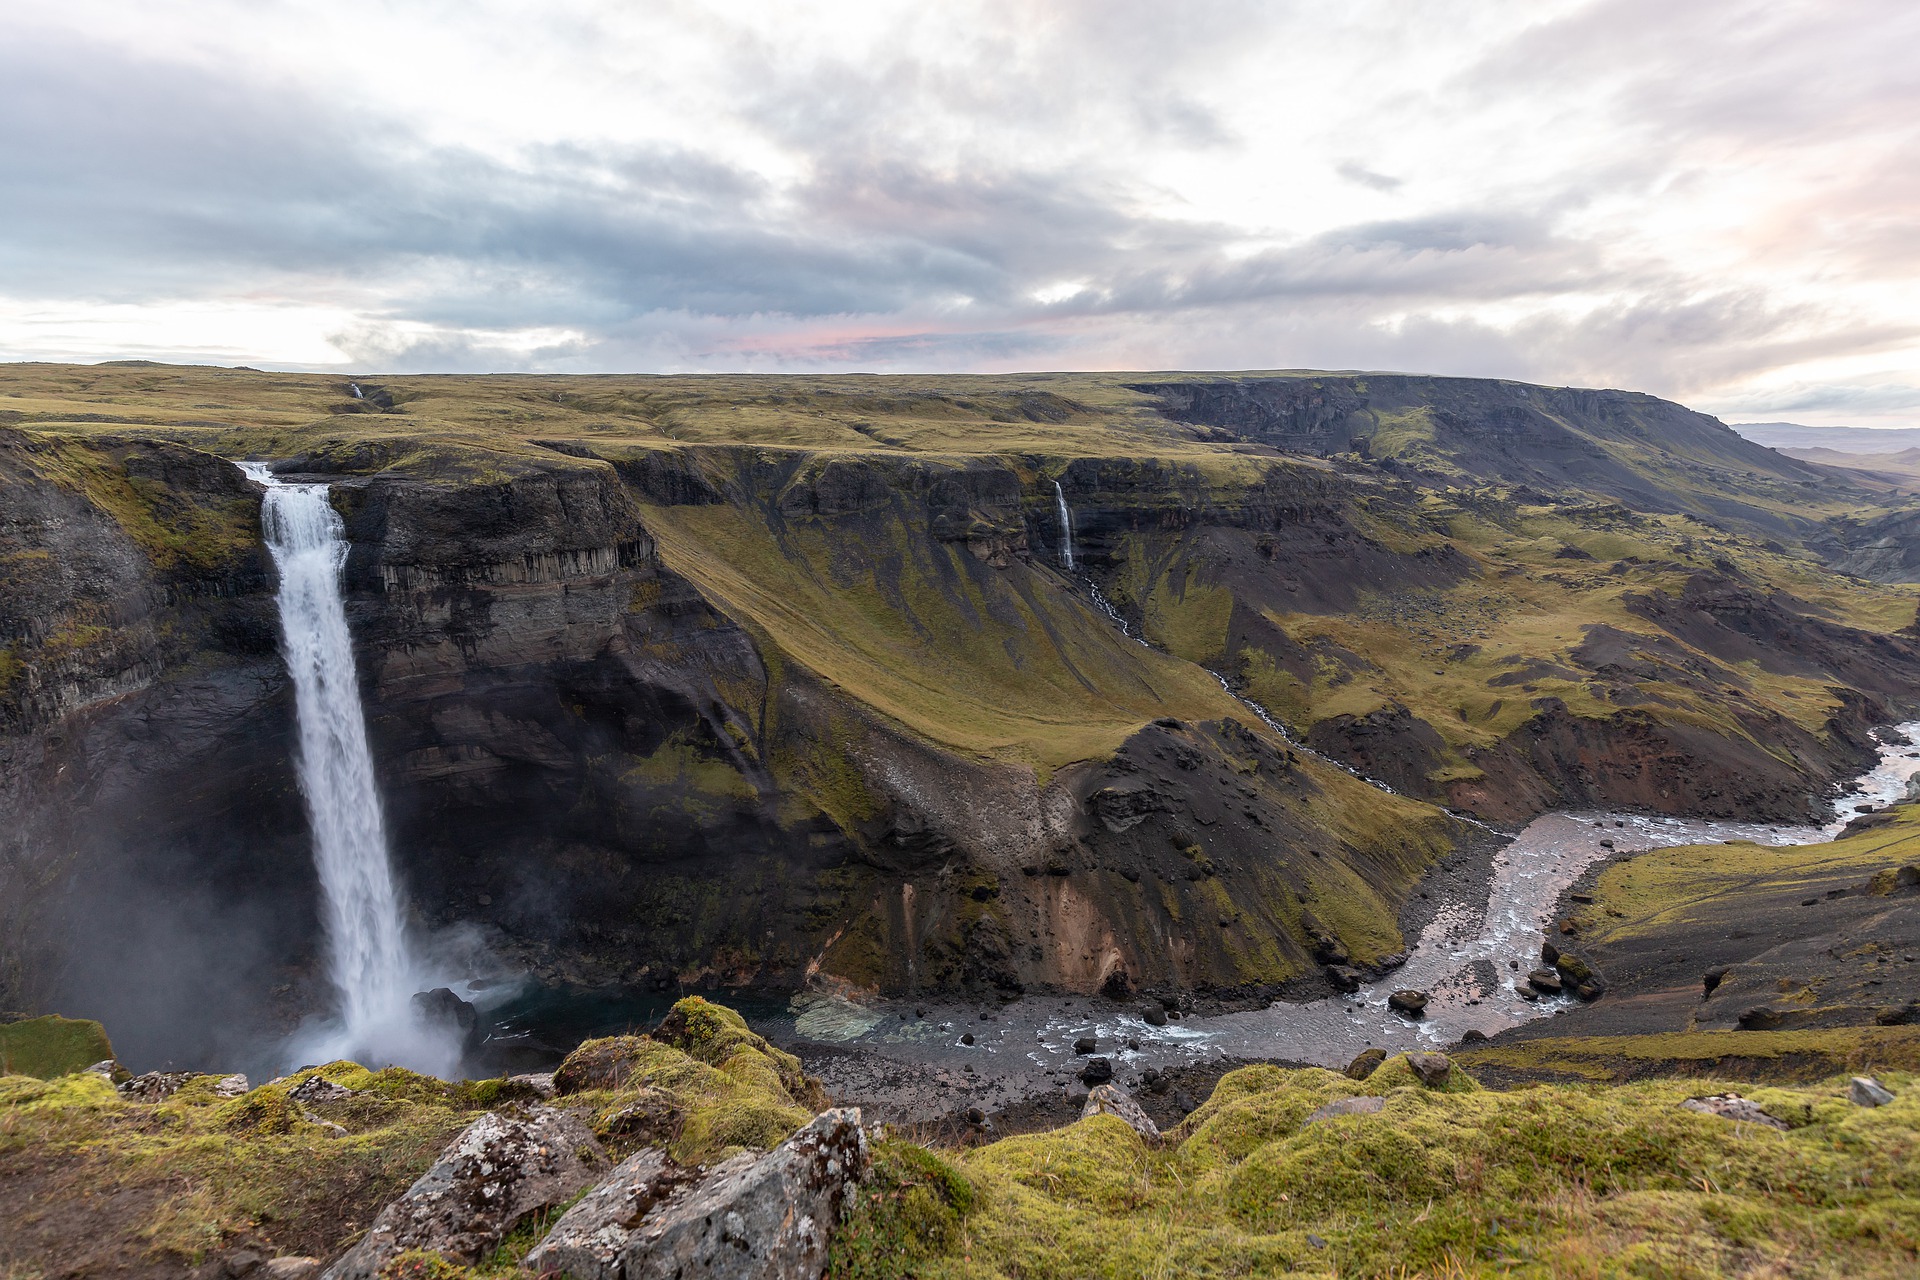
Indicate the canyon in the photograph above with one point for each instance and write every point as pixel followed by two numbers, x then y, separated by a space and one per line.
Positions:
pixel 763 684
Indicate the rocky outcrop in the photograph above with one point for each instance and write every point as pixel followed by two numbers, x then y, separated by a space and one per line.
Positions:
pixel 752 1217
pixel 502 1168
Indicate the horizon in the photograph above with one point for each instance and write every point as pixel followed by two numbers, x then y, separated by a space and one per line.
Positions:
pixel 1705 205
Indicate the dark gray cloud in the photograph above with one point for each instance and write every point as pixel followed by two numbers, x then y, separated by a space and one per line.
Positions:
pixel 1003 183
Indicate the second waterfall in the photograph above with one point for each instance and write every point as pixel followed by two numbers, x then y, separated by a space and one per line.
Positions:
pixel 368 958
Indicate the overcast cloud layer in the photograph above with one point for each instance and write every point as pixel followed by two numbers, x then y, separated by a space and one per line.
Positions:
pixel 1713 200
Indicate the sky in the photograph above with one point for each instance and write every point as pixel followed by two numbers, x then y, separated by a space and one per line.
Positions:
pixel 1712 200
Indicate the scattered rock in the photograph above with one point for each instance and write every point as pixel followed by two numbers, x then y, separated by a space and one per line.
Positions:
pixel 1865 1091
pixel 1410 1002
pixel 115 1074
pixel 1085 1045
pixel 1155 1016
pixel 1344 977
pixel 1545 981
pixel 1366 1063
pixel 232 1087
pixel 539 1083
pixel 1097 1071
pixel 1731 1106
pixel 967 1038
pixel 1112 1100
pixel 753 1217
pixel 155 1086
pixel 1345 1107
pixel 500 1169
pixel 291 1267
pixel 319 1089
pixel 1431 1069
pixel 1579 977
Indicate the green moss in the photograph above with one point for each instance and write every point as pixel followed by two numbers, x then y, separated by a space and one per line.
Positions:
pixel 1541 1183
pixel 52 1046
pixel 1395 1073
pixel 908 1209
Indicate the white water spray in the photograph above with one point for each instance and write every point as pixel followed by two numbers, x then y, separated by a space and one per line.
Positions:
pixel 1066 526
pixel 369 960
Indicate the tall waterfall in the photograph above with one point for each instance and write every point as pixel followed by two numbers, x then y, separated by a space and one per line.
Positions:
pixel 368 957
pixel 1066 526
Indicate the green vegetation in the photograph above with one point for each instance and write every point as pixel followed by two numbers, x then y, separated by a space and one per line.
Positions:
pixel 51 1046
pixel 1745 1055
pixel 1551 1182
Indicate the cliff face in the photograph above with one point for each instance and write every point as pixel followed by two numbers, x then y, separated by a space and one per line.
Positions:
pixel 660 709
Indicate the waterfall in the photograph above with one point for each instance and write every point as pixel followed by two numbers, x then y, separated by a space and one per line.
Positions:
pixel 354 387
pixel 368 957
pixel 1066 526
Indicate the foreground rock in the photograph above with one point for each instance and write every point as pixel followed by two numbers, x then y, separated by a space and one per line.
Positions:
pixel 1345 1107
pixel 1112 1100
pixel 1865 1091
pixel 764 1217
pixel 499 1170
pixel 1731 1106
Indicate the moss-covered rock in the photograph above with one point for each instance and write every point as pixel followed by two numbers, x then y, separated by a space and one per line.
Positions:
pixel 52 1046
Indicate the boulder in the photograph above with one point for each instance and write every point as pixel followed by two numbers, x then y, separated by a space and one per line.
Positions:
pixel 1579 977
pixel 443 1011
pixel 1344 1107
pixel 1155 1016
pixel 588 1241
pixel 319 1089
pixel 1731 1106
pixel 155 1086
pixel 292 1266
pixel 1085 1045
pixel 231 1086
pixel 1410 1002
pixel 1344 977
pixel 538 1083
pixel 500 1169
pixel 1760 1018
pixel 1112 1100
pixel 1865 1091
pixel 1097 1071
pixel 1545 981
pixel 1431 1069
pixel 1366 1063
pixel 752 1217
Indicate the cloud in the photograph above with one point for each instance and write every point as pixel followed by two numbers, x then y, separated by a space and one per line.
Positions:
pixel 1705 200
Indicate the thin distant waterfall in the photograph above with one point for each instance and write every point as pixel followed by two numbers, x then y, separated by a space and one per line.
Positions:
pixel 1066 526
pixel 368 956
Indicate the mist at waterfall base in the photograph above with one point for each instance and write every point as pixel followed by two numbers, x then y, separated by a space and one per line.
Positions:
pixel 375 962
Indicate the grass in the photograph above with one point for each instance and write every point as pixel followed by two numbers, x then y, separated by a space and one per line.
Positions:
pixel 170 1183
pixel 1553 1181
pixel 51 1046
pixel 1664 887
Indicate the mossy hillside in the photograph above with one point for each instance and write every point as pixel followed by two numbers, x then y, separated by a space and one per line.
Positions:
pixel 1664 888
pixel 1784 1056
pixel 51 1046
pixel 1545 1182
pixel 1476 660
pixel 172 1182
pixel 1007 663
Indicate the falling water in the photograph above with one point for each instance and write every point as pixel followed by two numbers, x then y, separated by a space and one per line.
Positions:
pixel 354 387
pixel 1066 526
pixel 369 960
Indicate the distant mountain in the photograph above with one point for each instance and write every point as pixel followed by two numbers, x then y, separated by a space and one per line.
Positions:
pixel 1792 435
